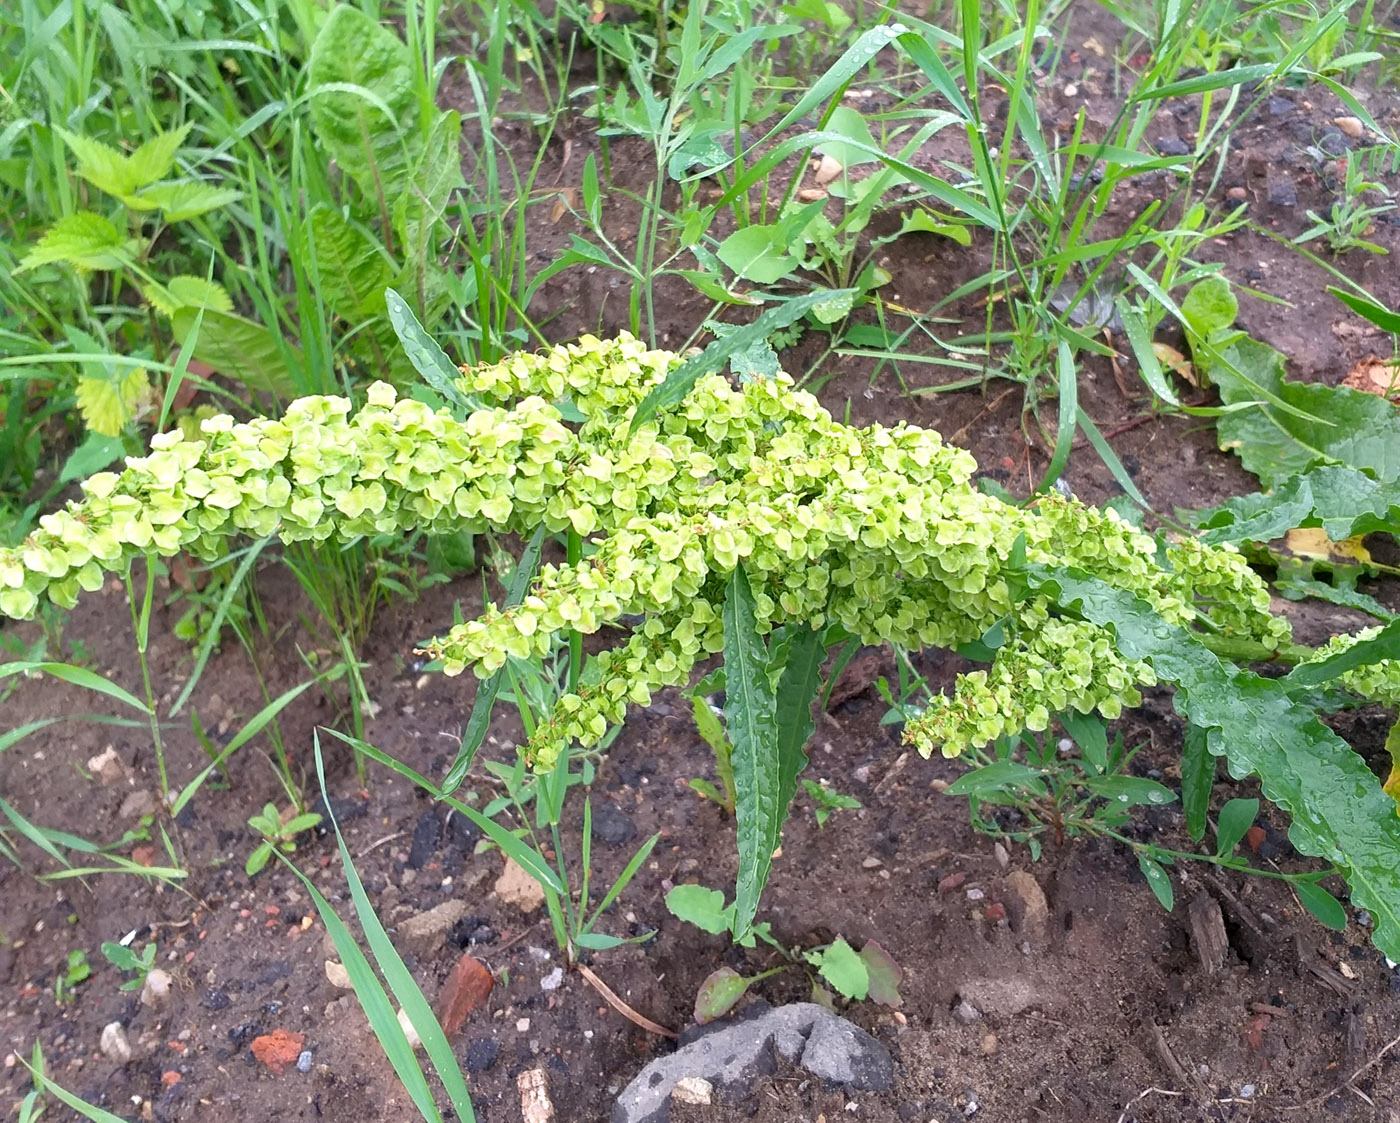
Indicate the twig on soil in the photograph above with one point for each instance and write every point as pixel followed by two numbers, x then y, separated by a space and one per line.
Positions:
pixel 1142 1096
pixel 621 1007
pixel 1345 1085
pixel 373 846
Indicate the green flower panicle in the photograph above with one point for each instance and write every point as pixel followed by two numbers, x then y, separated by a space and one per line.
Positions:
pixel 879 529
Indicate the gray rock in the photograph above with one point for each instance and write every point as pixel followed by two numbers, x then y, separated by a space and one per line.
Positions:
pixel 427 932
pixel 612 825
pixel 1172 146
pixel 828 1046
pixel 966 1012
pixel 1282 193
pixel 1278 106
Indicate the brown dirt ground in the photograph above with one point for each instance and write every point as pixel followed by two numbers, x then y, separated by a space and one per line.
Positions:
pixel 1116 1020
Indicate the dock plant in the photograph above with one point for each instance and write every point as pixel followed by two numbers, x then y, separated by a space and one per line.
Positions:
pixel 745 520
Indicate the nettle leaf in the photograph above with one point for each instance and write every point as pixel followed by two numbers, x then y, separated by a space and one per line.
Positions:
pixel 180 202
pixel 363 106
pixel 185 290
pixel 351 267
pixel 1342 500
pixel 1345 426
pixel 757 360
pixel 109 404
pixel 100 164
pixel 1339 811
pixel 83 240
pixel 750 716
pixel 154 160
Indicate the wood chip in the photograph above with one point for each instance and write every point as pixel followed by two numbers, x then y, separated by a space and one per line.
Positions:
pixel 535 1104
pixel 1208 936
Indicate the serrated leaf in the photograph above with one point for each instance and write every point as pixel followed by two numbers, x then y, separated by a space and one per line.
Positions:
pixel 1339 811
pixel 1158 880
pixel 1352 428
pixel 351 268
pixel 704 908
pixel 884 973
pixel 108 404
pixel 242 350
pixel 427 192
pixel 1234 821
pixel 750 717
pixel 188 291
pixel 154 159
pixel 83 240
pixel 1343 501
pixel 1325 908
pixel 100 164
pixel 363 106
pixel 718 994
pixel 178 202
pixel 840 966
pixel 756 361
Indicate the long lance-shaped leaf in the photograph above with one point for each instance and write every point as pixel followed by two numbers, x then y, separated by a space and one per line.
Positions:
pixel 486 692
pixel 678 382
pixel 1385 644
pixel 802 675
pixel 1339 811
pixel 749 713
pixel 423 352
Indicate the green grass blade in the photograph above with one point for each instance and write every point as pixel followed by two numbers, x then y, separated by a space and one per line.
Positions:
pixel 77 676
pixel 60 1093
pixel 400 980
pixel 1068 407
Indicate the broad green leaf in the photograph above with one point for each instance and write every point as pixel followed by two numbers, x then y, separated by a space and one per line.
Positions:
pixel 755 253
pixel 1210 306
pixel 840 966
pixel 848 124
pixel 1339 811
pixel 750 717
pixel 101 164
pixel 1361 430
pixel 836 309
pixel 1235 819
pixel 759 360
pixel 884 973
pixel 704 908
pixel 352 270
pixel 154 159
pixel 1158 879
pixel 363 105
pixel 718 994
pixel 427 192
pixel 241 350
pixel 923 221
pixel 1325 908
pixel 92 456
pixel 178 202
pixel 1342 500
pixel 1197 781
pixel 681 378
pixel 1090 734
pixel 83 240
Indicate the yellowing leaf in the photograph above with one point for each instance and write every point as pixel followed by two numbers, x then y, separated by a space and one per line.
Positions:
pixel 1175 362
pixel 1311 542
pixel 188 291
pixel 108 405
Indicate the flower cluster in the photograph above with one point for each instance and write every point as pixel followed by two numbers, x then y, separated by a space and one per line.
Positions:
pixel 877 529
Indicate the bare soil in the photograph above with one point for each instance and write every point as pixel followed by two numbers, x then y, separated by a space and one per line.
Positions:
pixel 1099 1009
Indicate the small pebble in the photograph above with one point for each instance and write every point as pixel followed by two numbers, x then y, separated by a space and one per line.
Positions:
pixel 871 864
pixel 1203 1069
pixel 861 775
pixel 1352 126
pixel 304 1061
pixel 1236 194
pixel 989 1044
pixel 1246 1091
pixel 1003 858
pixel 1363 918
pixel 553 981
pixel 1071 90
pixel 1066 746
pixel 523 1025
pixel 967 1013
pixel 975 894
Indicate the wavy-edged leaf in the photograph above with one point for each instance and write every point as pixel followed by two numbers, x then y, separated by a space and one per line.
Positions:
pixel 241 349
pixel 83 240
pixel 702 907
pixel 185 290
pixel 840 966
pixel 1197 780
pixel 427 192
pixel 1348 427
pixel 1340 499
pixel 351 267
pixel 1339 811
pixel 750 716
pixel 797 688
pixel 363 106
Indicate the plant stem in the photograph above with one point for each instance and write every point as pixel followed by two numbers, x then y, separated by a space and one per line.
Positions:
pixel 141 625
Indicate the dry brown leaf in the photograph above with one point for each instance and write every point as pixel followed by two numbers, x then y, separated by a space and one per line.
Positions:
pixel 1175 362
pixel 466 988
pixel 621 1007
pixel 1310 542
pixel 1373 375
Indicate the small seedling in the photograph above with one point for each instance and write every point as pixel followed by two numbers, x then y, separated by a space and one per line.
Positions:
pixel 277 834
pixel 76 970
pixel 827 800
pixel 708 723
pixel 124 959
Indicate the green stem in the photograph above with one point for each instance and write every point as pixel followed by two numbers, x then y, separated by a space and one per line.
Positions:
pixel 141 625
pixel 575 555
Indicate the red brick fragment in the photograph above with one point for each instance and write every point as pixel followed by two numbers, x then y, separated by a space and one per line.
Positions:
pixel 278 1049
pixel 466 988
